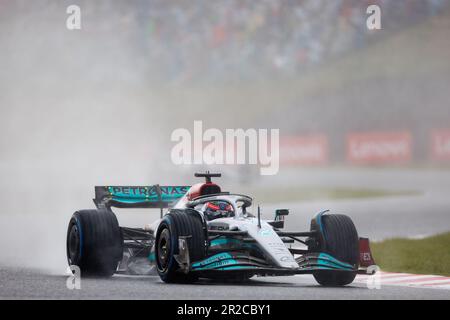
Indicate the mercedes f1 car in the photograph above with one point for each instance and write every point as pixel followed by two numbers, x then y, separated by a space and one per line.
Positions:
pixel 204 232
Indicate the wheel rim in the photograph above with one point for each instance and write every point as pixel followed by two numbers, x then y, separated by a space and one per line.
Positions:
pixel 73 244
pixel 164 249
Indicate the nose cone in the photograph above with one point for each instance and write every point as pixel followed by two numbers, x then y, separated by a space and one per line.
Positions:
pixel 271 244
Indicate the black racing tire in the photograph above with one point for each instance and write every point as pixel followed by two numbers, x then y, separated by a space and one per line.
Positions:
pixel 94 242
pixel 175 224
pixel 340 240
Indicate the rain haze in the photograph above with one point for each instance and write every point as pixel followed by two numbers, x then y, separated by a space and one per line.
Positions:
pixel 363 115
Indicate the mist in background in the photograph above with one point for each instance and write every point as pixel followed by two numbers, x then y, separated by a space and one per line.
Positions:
pixel 97 106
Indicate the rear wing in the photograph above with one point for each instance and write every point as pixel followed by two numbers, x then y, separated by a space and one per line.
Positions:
pixel 155 196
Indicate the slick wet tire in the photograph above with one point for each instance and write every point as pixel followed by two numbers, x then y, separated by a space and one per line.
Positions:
pixel 179 223
pixel 340 240
pixel 94 242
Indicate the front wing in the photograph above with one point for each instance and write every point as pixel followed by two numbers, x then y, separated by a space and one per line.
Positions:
pixel 238 262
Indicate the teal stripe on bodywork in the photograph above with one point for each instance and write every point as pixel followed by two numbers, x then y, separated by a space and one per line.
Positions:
pixel 231 242
pixel 218 265
pixel 218 242
pixel 210 260
pixel 327 260
pixel 237 268
pixel 147 194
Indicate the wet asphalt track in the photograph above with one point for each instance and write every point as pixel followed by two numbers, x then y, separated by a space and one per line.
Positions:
pixel 26 284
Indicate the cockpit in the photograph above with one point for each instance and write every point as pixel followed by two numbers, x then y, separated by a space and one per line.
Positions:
pixel 223 205
pixel 209 199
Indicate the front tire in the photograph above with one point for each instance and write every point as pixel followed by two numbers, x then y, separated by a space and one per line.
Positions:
pixel 175 224
pixel 94 242
pixel 340 240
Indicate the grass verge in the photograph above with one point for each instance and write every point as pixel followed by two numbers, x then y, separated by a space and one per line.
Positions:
pixel 423 256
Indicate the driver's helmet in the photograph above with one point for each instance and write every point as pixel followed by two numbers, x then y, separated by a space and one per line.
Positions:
pixel 218 209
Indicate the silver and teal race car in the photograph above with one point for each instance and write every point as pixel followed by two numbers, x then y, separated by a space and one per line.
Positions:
pixel 204 232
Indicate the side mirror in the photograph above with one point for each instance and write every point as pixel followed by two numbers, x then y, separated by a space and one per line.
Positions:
pixel 280 214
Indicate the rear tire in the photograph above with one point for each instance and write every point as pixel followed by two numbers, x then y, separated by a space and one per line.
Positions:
pixel 340 240
pixel 175 224
pixel 94 242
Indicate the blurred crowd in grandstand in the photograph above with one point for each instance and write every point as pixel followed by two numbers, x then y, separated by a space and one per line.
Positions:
pixel 179 40
pixel 246 38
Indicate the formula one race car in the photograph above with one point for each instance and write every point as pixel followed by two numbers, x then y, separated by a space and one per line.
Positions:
pixel 207 233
